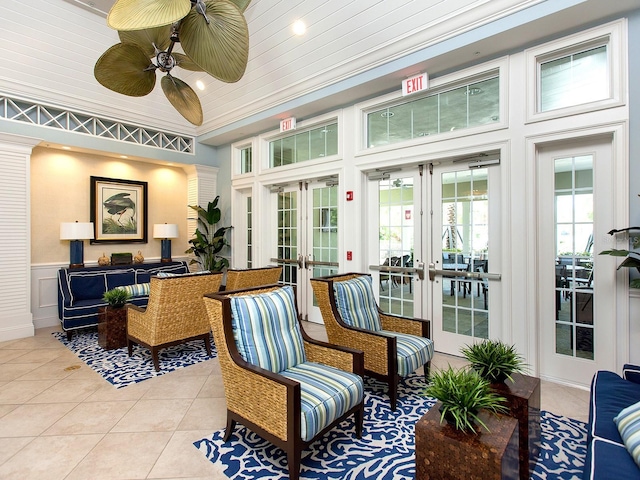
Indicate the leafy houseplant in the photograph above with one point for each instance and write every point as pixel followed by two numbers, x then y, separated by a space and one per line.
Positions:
pixel 209 239
pixel 116 297
pixel 462 394
pixel 494 360
pixel 632 259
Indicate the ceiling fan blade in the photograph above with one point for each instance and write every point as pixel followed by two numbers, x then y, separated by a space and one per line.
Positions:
pixel 241 4
pixel 220 47
pixel 141 14
pixel 185 62
pixel 147 38
pixel 183 98
pixel 122 69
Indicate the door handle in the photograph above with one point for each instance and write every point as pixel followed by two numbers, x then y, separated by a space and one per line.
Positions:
pixel 461 273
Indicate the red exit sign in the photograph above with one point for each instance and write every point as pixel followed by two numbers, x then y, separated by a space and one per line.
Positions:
pixel 288 124
pixel 415 84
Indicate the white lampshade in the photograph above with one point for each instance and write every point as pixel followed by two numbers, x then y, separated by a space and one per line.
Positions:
pixel 165 230
pixel 76 231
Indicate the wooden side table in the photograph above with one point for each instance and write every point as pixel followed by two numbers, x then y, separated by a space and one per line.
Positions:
pixel 523 399
pixel 112 327
pixel 444 453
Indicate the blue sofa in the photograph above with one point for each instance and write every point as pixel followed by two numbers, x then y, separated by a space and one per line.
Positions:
pixel 607 457
pixel 80 290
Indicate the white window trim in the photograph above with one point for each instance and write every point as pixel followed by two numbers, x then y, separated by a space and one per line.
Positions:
pixel 447 82
pixel 614 35
pixel 261 164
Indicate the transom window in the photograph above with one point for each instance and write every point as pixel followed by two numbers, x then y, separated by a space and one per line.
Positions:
pixel 299 147
pixel 465 106
pixel 246 165
pixel 573 79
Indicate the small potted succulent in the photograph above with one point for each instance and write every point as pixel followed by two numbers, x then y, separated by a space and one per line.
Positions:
pixel 494 360
pixel 116 297
pixel 463 393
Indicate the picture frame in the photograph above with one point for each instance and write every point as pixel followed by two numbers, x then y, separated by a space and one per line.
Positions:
pixel 118 210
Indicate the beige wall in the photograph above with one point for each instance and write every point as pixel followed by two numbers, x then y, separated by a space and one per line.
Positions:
pixel 60 193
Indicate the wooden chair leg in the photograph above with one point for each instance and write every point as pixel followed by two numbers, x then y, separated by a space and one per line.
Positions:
pixel 231 425
pixel 393 393
pixel 293 459
pixel 207 344
pixel 154 356
pixel 358 419
pixel 427 370
pixel 129 346
pixel 69 335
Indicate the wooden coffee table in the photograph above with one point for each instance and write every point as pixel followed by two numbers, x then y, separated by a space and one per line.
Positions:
pixel 112 327
pixel 442 452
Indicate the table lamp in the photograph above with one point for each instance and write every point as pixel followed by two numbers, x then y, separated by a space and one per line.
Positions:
pixel 76 232
pixel 165 231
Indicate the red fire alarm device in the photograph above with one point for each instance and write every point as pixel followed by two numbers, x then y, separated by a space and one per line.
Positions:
pixel 349 255
pixel 349 196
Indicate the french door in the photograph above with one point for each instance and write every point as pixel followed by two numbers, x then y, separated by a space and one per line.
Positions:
pixel 576 209
pixel 307 237
pixel 437 228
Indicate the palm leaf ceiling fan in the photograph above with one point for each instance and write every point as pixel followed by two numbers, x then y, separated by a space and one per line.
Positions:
pixel 213 34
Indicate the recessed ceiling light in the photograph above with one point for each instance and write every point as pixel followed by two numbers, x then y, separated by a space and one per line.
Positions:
pixel 298 27
pixel 200 85
pixel 66 148
pixel 123 156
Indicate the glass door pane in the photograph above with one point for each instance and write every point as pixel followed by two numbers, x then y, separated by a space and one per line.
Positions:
pixel 465 245
pixel 396 233
pixel 574 256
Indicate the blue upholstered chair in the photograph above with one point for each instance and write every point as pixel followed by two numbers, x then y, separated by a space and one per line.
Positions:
pixel 393 346
pixel 278 382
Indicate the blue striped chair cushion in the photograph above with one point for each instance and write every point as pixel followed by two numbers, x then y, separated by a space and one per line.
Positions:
pixel 357 304
pixel 628 421
pixel 326 393
pixel 266 329
pixel 137 289
pixel 170 274
pixel 412 351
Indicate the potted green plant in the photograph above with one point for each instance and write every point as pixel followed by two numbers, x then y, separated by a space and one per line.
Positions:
pixel 209 239
pixel 116 297
pixel 494 360
pixel 462 394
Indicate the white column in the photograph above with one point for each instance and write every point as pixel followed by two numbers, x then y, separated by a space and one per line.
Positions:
pixel 201 189
pixel 15 237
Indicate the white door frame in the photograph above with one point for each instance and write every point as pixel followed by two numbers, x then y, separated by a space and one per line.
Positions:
pixel 619 189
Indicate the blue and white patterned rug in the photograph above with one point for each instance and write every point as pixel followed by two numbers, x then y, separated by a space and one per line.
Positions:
pixel 118 368
pixel 386 449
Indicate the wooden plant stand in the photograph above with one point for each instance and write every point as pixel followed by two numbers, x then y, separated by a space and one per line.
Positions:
pixel 444 453
pixel 523 400
pixel 112 327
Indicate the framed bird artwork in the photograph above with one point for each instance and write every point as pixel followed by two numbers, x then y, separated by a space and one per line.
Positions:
pixel 118 210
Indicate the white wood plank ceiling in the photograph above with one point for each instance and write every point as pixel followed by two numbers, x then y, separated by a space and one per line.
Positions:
pixel 49 48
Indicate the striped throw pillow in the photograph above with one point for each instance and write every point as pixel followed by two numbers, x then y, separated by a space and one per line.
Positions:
pixel 357 304
pixel 266 329
pixel 137 289
pixel 628 421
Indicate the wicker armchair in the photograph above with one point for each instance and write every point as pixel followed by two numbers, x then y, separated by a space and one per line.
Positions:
pixel 252 277
pixel 287 406
pixel 175 313
pixel 387 348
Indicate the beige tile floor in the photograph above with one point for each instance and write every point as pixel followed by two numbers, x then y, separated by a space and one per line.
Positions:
pixel 60 420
